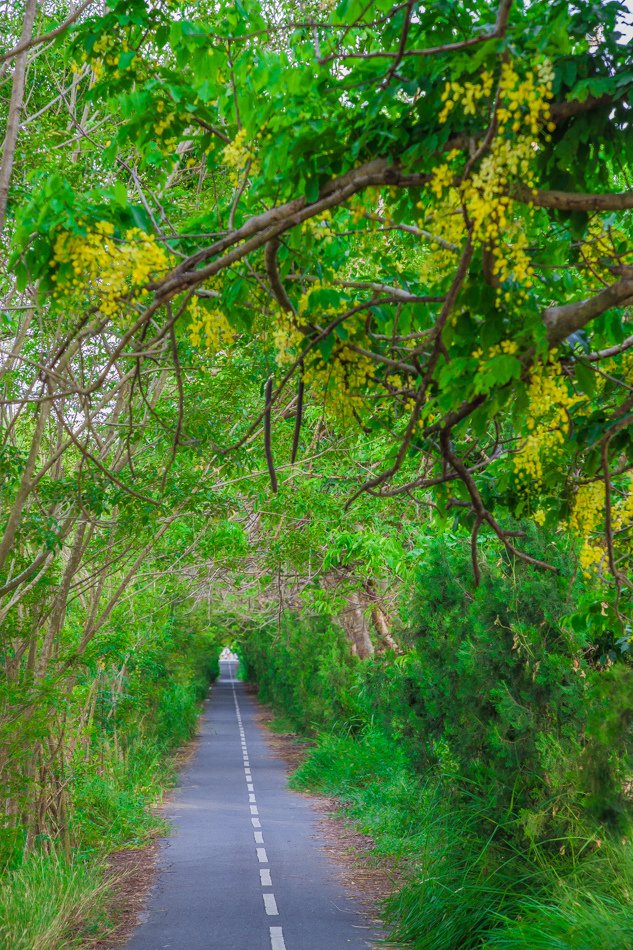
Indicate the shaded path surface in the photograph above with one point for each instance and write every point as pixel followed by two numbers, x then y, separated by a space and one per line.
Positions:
pixel 242 869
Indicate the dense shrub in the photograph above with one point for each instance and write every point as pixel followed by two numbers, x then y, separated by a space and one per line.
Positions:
pixel 490 760
pixel 497 692
pixel 305 667
pixel 134 705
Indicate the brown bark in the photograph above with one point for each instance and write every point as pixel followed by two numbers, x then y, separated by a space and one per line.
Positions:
pixel 15 108
pixel 566 319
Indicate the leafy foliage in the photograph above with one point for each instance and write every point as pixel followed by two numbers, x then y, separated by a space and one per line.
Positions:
pixel 300 302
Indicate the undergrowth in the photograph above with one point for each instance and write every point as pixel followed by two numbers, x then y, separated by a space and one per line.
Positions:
pixel 489 763
pixel 467 883
pixel 49 902
pixel 54 892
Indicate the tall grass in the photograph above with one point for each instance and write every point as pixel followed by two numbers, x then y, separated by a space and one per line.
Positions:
pixel 51 904
pixel 468 883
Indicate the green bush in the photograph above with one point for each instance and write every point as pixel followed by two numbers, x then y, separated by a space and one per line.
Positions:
pixel 146 703
pixel 490 761
pixel 504 697
pixel 305 668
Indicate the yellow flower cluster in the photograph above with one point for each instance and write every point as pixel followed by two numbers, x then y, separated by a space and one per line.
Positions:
pixel 507 347
pixel 445 220
pixel 105 52
pixel 586 517
pixel 467 96
pixel 339 380
pixel 441 180
pixel 588 509
pixel 523 101
pixel 237 154
pixel 111 272
pixel 521 115
pixel 549 402
pixel 165 121
pixel 623 509
pixel 599 249
pixel 211 326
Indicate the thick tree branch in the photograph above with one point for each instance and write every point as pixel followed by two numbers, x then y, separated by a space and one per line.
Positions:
pixel 565 319
pixel 570 201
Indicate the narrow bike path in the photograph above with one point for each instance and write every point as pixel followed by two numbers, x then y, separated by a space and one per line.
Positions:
pixel 242 869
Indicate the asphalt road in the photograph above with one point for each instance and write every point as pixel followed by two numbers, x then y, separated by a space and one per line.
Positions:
pixel 243 869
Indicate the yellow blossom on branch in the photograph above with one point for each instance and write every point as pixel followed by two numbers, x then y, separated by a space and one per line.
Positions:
pixel 109 271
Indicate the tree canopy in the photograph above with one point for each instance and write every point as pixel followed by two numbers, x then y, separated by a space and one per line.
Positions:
pixel 291 288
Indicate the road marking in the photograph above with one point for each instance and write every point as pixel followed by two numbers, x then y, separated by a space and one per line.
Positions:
pixel 271 905
pixel 277 939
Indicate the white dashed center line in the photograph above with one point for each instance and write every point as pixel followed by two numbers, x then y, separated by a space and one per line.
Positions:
pixel 277 939
pixel 271 905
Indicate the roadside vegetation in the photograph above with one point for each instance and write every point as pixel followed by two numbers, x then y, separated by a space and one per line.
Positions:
pixel 489 761
pixel 315 337
pixel 120 724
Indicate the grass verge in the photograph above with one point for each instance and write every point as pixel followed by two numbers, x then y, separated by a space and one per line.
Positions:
pixel 49 902
pixel 467 883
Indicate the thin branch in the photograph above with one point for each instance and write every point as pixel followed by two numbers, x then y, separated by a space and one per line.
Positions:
pixel 298 417
pixel 26 44
pixel 267 435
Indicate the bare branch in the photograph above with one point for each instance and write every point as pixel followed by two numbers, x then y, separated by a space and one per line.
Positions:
pixel 26 44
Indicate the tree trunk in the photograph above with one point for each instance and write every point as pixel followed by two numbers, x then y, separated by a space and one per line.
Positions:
pixel 15 108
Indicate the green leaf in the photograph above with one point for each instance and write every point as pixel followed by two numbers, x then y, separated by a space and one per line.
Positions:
pixel 585 378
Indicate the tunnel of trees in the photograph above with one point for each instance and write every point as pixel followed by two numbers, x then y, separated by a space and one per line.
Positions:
pixel 315 339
